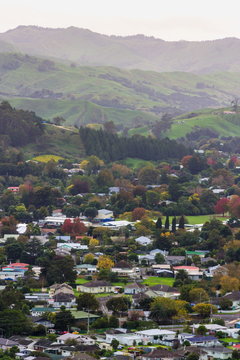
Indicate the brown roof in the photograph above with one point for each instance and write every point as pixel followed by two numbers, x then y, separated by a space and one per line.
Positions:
pixel 164 288
pixel 96 283
pixel 123 265
pixel 163 353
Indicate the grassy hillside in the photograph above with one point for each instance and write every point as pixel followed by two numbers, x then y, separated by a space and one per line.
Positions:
pixel 134 99
pixel 224 125
pixel 64 143
pixel 85 47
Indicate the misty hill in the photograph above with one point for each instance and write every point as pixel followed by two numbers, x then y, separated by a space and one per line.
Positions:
pixel 85 47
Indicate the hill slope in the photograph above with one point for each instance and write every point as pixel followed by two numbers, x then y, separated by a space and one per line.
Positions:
pixel 98 94
pixel 133 52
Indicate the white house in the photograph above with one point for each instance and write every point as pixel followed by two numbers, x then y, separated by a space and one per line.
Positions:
pixel 156 336
pixel 143 240
pixel 104 214
pixel 96 287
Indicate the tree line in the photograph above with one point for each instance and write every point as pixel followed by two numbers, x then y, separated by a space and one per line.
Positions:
pixel 111 147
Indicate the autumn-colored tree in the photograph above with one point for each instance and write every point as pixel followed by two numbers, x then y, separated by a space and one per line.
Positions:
pixel 78 227
pixel 205 310
pixel 222 177
pixel 198 295
pixel 73 228
pixel 221 206
pixel 92 164
pixel 234 206
pixel 93 243
pixel 67 227
pixel 88 258
pixel 185 160
pixel 228 284
pixel 105 262
pixel 138 213
pixel 119 170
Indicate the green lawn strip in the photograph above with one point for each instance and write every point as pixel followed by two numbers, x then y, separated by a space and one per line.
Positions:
pixel 81 281
pixel 154 280
pixel 230 340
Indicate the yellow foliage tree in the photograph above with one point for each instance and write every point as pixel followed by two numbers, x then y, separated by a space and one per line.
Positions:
pixel 105 262
pixel 93 243
pixel 88 258
pixel 228 284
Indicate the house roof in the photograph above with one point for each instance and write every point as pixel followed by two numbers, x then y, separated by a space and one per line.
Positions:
pixel 235 295
pixel 97 283
pixel 164 288
pixel 122 265
pixel 163 353
pixel 202 338
pixel 134 286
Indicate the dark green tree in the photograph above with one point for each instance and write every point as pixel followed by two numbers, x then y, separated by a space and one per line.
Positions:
pixel 166 226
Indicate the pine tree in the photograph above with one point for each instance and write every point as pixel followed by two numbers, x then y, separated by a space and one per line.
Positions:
pixel 174 223
pixel 181 224
pixel 159 223
pixel 167 223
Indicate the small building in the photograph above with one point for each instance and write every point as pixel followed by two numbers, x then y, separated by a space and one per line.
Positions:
pixel 207 341
pixel 96 287
pixel 156 336
pixel 123 268
pixel 143 240
pixel 135 288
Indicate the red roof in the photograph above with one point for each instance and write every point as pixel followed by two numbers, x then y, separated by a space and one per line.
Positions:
pixel 182 267
pixel 18 265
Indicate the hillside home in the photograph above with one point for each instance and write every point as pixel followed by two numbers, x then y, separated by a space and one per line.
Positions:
pixel 122 268
pixel 96 287
pixel 104 215
pixel 163 354
pixel 156 336
pixel 135 288
pixel 163 291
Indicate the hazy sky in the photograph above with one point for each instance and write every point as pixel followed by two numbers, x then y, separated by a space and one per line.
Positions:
pixel 166 19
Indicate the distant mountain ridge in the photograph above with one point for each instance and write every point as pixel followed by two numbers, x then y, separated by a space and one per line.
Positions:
pixel 85 47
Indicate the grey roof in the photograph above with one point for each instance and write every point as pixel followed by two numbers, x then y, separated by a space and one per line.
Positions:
pixel 96 284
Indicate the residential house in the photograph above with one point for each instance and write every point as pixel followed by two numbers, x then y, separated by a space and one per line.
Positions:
pixel 235 298
pixel 175 260
pixel 96 287
pixel 6 344
pixel 87 268
pixel 123 268
pixel 39 311
pixel 216 352
pixel 194 273
pixel 162 354
pixel 204 341
pixel 163 291
pixel 143 240
pixel 135 288
pixel 156 336
pixel 80 339
pixel 104 215
pixel 61 299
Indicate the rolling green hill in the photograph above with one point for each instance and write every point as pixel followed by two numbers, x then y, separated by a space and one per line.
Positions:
pixel 223 124
pixel 130 98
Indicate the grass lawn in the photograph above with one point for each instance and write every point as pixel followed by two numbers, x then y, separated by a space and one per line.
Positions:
pixel 154 280
pixel 134 163
pixel 47 158
pixel 198 219
pixel 230 340
pixel 80 281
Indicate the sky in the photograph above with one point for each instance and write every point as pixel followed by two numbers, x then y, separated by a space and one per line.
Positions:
pixel 165 19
